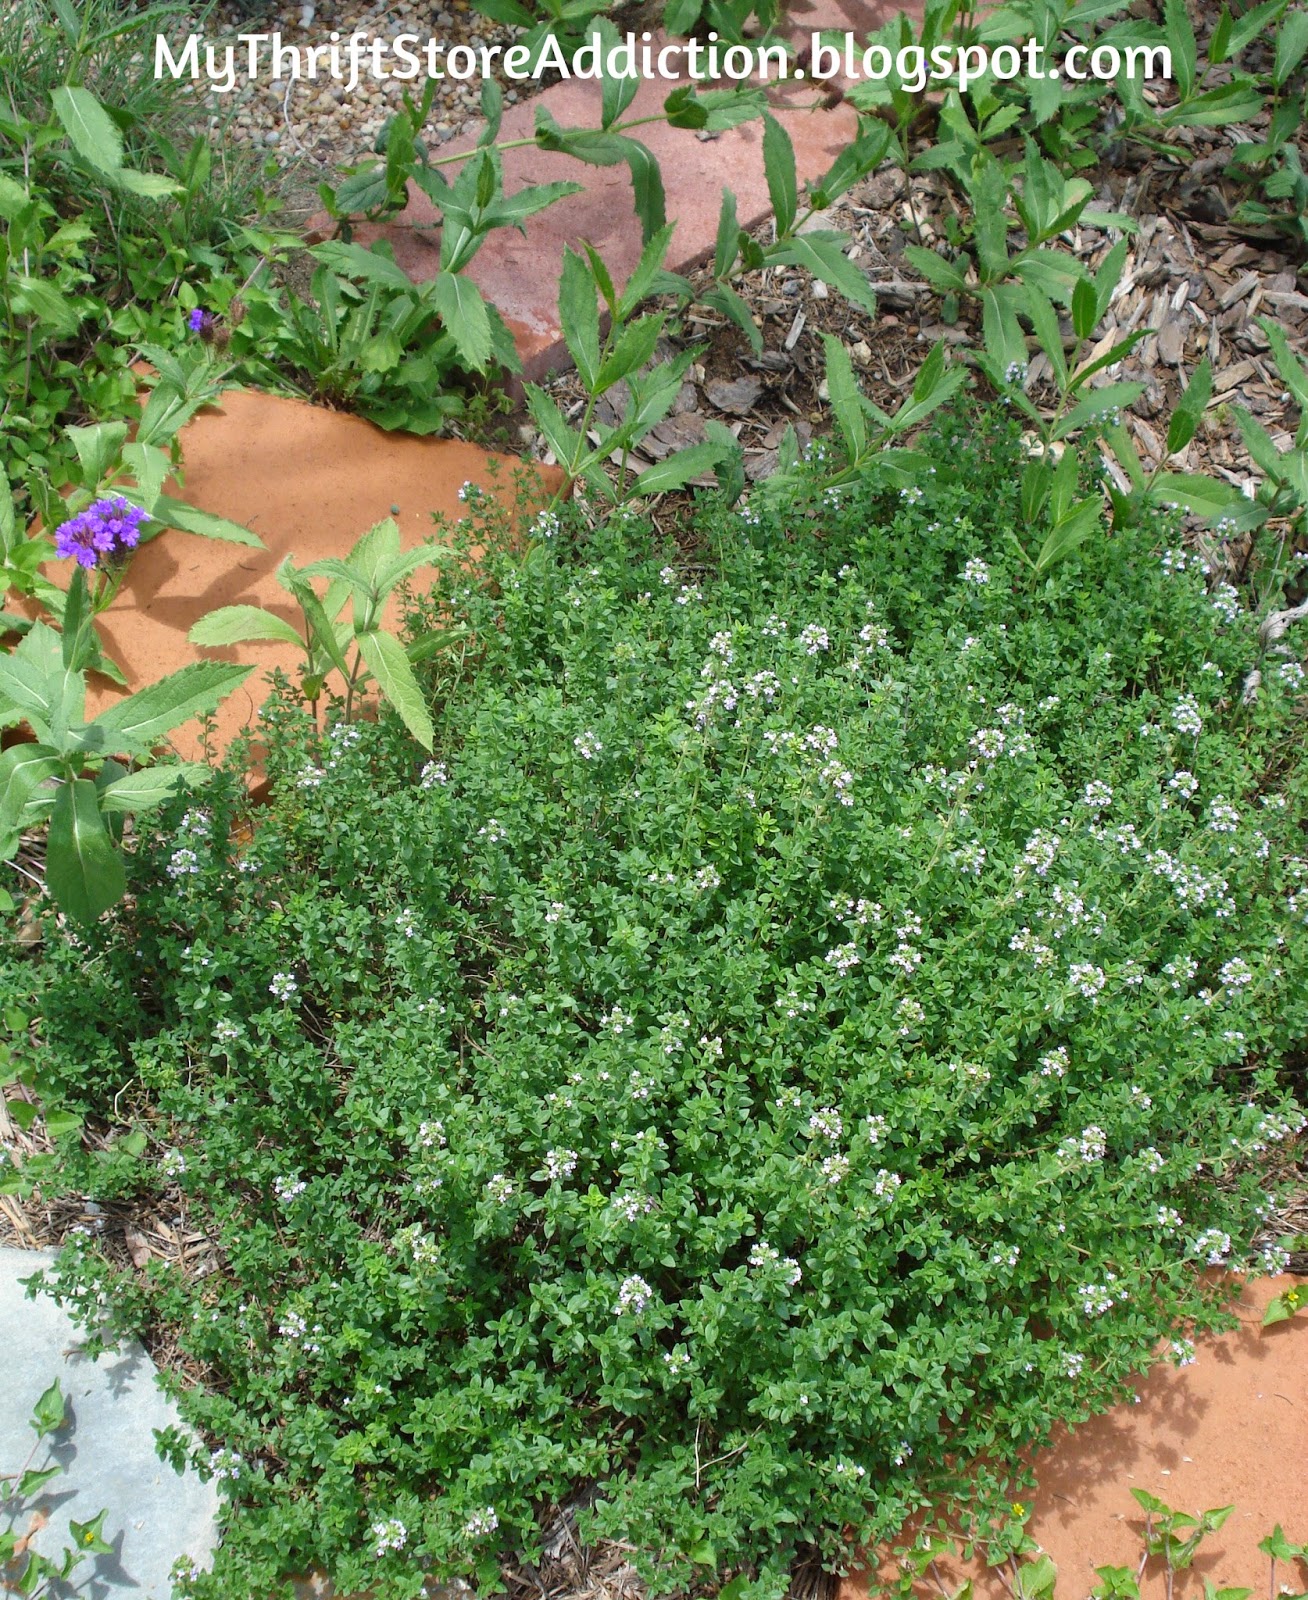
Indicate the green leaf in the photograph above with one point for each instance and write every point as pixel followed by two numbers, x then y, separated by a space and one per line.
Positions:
pixel 91 131
pixel 88 1536
pixel 83 871
pixel 1190 407
pixel 678 469
pixel 142 791
pixel 1044 319
pixel 779 170
pixel 1283 1306
pixel 727 247
pixel 50 1411
pixel 385 659
pixel 617 93
pixel 579 317
pixel 1202 497
pixel 36 1478
pixel 938 272
pixel 190 519
pixel 149 466
pixel 823 255
pixel 722 297
pixel 1085 308
pixel 846 398
pixel 98 448
pixel 463 311
pixel 147 185
pixel 1259 443
pixel 648 270
pixel 8 522
pixel 1180 37
pixel 140 721
pixel 34 297
pixel 23 770
pixel 563 440
pixel 1075 526
pixel 1099 405
pixel 630 354
pixel 1291 44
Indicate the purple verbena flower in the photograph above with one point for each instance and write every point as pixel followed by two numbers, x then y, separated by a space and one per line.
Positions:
pixel 107 529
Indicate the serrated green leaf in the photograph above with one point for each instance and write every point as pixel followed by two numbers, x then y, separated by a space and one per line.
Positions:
pixel 142 791
pixel 91 131
pixel 579 317
pixel 140 721
pixel 384 657
pixel 190 519
pixel 846 398
pixel 463 311
pixel 779 171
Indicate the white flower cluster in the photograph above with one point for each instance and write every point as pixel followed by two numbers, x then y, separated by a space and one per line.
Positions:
pixel 763 1255
pixel 286 1189
pixel 283 985
pixel 1213 1245
pixel 225 1464
pixel 843 958
pixel 813 639
pixel 634 1295
pixel 860 912
pixel 976 572
pixel 1186 717
pixel 480 1523
pixel 826 1124
pixel 1097 1299
pixel 911 1015
pixel 835 1169
pixel 631 1206
pixel 294 1326
pixel 173 1164
pixel 587 745
pixel 1091 1145
pixel 560 1163
pixel 1086 979
pixel 1054 1063
pixel 1039 853
pixel 885 1184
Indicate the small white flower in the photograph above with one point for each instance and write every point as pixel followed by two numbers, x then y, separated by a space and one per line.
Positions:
pixel 173 1164
pixel 1186 717
pixel 283 985
pixel 560 1163
pixel 634 1295
pixel 480 1523
pixel 976 572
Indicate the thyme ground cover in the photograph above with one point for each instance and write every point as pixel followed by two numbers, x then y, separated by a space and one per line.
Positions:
pixel 809 1029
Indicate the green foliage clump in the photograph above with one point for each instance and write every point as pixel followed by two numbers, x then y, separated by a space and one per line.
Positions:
pixel 807 1032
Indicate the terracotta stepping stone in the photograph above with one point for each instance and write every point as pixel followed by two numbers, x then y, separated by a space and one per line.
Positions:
pixel 308 482
pixel 1227 1430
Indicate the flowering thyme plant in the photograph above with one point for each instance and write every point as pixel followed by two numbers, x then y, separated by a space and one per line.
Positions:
pixel 813 1026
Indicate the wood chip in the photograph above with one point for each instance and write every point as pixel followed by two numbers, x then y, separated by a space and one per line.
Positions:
pixel 1238 290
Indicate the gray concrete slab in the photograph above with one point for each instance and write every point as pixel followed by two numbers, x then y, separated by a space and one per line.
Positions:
pixel 106 1447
